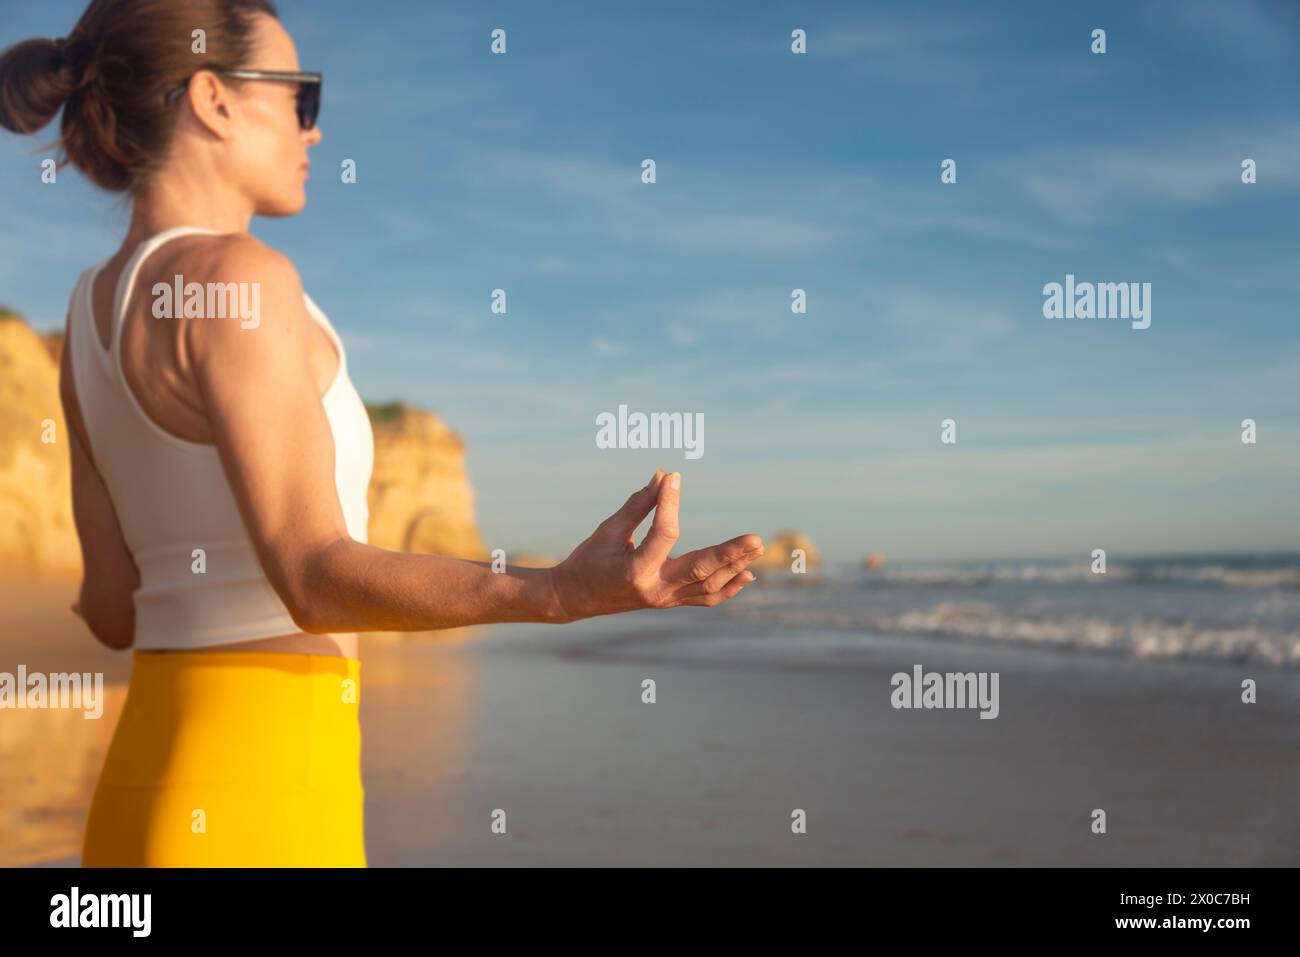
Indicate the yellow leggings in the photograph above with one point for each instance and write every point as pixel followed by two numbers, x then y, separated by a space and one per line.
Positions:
pixel 232 759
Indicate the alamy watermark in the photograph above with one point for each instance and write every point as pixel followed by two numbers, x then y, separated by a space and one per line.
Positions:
pixel 131 911
pixel 948 689
pixel 1103 300
pixel 658 430
pixel 80 690
pixel 212 300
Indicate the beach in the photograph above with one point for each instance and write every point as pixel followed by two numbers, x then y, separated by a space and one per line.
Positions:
pixel 548 725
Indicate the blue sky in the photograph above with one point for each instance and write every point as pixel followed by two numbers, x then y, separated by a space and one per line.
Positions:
pixel 820 172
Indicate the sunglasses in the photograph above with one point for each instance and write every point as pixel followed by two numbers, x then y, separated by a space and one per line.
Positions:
pixel 306 102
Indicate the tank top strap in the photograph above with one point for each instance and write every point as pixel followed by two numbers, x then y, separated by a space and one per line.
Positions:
pixel 322 320
pixel 126 281
pixel 84 347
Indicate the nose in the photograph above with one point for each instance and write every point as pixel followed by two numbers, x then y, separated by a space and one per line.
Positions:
pixel 314 136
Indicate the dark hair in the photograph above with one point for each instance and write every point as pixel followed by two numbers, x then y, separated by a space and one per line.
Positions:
pixel 110 75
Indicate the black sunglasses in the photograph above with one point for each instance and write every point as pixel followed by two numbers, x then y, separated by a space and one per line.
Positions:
pixel 307 101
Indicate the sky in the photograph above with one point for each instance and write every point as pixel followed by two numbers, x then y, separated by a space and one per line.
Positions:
pixel 778 171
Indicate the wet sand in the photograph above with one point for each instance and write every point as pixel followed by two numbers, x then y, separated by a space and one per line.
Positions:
pixel 547 724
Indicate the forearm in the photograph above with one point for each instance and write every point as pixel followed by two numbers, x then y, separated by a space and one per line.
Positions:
pixel 348 586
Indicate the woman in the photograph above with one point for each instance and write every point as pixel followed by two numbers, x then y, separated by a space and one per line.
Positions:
pixel 220 465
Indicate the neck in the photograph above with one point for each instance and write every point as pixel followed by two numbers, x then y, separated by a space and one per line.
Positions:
pixel 181 199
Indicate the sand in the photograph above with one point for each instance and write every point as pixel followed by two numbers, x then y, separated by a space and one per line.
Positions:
pixel 547 724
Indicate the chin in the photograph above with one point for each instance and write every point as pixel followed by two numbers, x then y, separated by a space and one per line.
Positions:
pixel 280 206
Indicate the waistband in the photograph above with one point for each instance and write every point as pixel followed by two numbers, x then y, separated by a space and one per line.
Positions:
pixel 291 661
pixel 249 720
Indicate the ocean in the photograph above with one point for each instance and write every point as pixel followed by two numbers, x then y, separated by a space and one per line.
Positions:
pixel 1211 608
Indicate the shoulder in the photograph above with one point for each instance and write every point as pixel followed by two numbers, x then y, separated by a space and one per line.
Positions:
pixel 238 257
pixel 251 286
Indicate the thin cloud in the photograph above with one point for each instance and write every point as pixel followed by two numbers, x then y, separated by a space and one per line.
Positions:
pixel 1190 167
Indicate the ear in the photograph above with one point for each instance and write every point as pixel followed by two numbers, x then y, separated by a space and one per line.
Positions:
pixel 212 103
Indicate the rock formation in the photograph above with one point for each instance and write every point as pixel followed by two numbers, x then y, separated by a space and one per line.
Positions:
pixel 420 496
pixel 778 551
pixel 531 559
pixel 36 530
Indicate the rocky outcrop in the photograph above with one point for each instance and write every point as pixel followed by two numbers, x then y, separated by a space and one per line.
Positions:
pixel 420 496
pixel 36 530
pixel 531 559
pixel 53 342
pixel 778 551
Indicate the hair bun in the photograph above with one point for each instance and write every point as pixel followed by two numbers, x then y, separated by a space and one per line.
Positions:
pixel 35 81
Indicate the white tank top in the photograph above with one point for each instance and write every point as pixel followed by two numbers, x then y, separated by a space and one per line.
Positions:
pixel 172 496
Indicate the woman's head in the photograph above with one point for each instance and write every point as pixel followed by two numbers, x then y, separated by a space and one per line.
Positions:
pixel 112 75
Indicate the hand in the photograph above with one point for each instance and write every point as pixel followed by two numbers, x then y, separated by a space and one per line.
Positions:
pixel 607 574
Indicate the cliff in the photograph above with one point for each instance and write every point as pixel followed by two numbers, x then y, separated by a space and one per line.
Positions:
pixel 420 498
pixel 778 551
pixel 36 530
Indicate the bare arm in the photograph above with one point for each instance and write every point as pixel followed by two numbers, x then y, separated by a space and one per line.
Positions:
pixel 109 576
pixel 275 442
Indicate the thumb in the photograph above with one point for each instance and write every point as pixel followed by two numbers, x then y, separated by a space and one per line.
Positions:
pixel 661 538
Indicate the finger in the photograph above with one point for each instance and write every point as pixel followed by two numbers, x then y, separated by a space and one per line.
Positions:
pixel 700 564
pixel 665 528
pixel 623 523
pixel 729 591
pixel 718 581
